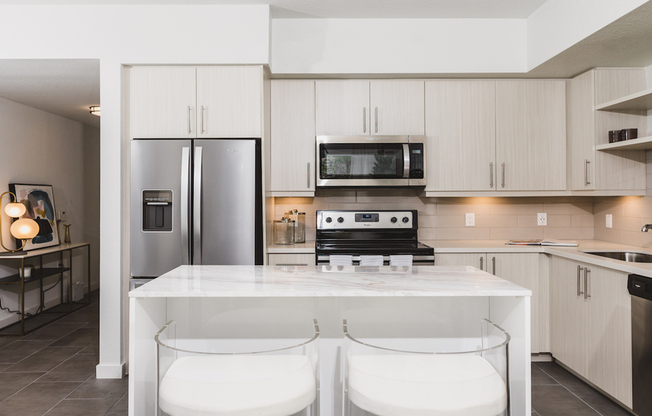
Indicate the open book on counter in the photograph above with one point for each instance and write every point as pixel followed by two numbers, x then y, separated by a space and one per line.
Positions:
pixel 545 242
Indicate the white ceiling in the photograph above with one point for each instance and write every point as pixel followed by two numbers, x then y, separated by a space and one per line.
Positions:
pixel 427 9
pixel 65 87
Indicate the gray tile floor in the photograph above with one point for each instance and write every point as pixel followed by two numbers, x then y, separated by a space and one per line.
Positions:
pixel 52 372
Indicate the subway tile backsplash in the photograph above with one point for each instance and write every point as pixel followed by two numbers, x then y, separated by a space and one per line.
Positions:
pixel 443 218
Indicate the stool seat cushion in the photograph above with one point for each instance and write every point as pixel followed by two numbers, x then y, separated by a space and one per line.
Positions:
pixel 238 385
pixel 426 385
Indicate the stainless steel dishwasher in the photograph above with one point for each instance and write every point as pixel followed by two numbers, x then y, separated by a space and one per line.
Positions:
pixel 640 287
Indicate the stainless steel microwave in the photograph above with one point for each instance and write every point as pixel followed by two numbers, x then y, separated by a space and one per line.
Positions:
pixel 363 161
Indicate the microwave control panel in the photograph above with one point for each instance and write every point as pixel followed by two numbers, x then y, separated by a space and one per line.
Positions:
pixel 416 160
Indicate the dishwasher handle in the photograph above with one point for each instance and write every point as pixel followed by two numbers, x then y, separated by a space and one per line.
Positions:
pixel 640 286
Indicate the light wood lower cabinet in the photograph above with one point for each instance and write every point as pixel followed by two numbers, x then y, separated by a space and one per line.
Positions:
pixel 591 325
pixel 519 268
pixel 287 259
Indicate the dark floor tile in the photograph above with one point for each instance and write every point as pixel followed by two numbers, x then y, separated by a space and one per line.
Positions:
pixel 44 360
pixel 6 340
pixel 10 383
pixel 565 378
pixel 3 366
pixel 19 350
pixel 604 405
pixel 557 401
pixel 101 389
pixel 539 378
pixel 82 337
pixel 121 408
pixel 92 349
pixel 77 368
pixel 36 399
pixel 82 407
pixel 53 331
pixel 87 314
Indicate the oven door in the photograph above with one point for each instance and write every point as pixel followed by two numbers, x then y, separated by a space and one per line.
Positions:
pixel 363 161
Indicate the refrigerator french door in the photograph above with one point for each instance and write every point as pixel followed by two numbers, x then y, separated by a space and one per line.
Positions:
pixel 195 202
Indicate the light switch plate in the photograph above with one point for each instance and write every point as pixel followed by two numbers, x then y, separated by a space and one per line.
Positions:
pixel 542 218
pixel 610 221
pixel 469 219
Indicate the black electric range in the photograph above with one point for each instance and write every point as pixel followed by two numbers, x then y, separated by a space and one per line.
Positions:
pixel 360 233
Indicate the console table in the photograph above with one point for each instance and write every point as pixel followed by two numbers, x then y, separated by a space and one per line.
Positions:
pixel 38 274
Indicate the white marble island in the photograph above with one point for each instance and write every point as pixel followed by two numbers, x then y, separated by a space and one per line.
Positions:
pixel 406 302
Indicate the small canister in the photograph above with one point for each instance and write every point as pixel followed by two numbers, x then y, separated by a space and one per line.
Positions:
pixel 284 231
pixel 614 136
pixel 299 219
pixel 628 134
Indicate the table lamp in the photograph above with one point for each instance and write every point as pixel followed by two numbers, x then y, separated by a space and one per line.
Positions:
pixel 22 229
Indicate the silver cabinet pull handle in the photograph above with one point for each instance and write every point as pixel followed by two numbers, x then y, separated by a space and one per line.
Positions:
pixel 189 123
pixel 185 204
pixel 376 119
pixel 579 273
pixel 503 182
pixel 586 172
pixel 493 265
pixel 197 209
pixel 491 175
pixel 364 119
pixel 481 263
pixel 202 119
pixel 308 176
pixel 587 294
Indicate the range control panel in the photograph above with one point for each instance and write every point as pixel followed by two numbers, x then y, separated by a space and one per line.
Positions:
pixel 343 220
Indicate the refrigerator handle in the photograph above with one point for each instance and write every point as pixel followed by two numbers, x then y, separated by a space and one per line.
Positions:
pixel 185 204
pixel 196 207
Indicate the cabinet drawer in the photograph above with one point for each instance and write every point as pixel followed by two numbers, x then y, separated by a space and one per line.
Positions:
pixel 291 259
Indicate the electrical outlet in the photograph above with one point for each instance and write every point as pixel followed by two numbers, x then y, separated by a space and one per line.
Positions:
pixel 610 221
pixel 469 219
pixel 542 218
pixel 61 215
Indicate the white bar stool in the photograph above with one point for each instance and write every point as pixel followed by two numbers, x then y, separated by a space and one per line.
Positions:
pixel 390 382
pixel 276 382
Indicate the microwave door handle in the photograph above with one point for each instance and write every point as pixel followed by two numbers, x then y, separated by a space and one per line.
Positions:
pixel 196 220
pixel 406 161
pixel 185 205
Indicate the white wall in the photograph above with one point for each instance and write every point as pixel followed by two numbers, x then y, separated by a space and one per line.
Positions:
pixel 117 35
pixel 91 146
pixel 559 24
pixel 40 148
pixel 395 46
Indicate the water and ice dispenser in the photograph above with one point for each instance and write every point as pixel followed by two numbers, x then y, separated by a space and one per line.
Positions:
pixel 157 210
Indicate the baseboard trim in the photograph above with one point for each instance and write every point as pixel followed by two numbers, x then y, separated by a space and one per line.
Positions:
pixel 110 371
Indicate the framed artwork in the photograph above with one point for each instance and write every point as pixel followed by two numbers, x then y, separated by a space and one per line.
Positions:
pixel 39 200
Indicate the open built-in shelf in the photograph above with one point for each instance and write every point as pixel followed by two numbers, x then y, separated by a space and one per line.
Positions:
pixel 633 102
pixel 642 143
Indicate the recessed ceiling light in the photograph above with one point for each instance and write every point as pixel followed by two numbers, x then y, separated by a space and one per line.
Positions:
pixel 95 110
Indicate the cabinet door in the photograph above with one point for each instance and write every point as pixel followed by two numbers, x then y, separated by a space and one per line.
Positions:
pixel 523 270
pixel 397 107
pixel 531 135
pixel 461 131
pixel 581 132
pixel 610 333
pixel 293 136
pixel 568 316
pixel 342 107
pixel 477 260
pixel 229 101
pixel 162 102
pixel 291 259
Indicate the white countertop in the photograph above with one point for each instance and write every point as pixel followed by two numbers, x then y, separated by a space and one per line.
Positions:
pixel 326 281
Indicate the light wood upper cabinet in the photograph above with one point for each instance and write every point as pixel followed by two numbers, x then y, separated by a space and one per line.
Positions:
pixel 531 135
pixel 351 107
pixel 293 138
pixel 591 325
pixel 461 134
pixel 162 102
pixel 614 170
pixel 190 102
pixel 229 101
pixel 397 107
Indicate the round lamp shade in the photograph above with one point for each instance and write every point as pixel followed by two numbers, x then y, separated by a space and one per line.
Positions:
pixel 15 209
pixel 24 229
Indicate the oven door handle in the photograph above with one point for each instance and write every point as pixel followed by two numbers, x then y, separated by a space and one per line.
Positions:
pixel 406 160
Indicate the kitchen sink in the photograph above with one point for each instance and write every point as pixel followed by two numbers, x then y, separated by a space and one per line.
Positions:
pixel 630 256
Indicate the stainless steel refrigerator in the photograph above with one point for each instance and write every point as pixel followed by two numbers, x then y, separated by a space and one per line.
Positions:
pixel 195 202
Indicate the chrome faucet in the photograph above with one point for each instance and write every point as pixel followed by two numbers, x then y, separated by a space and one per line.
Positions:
pixel 646 227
